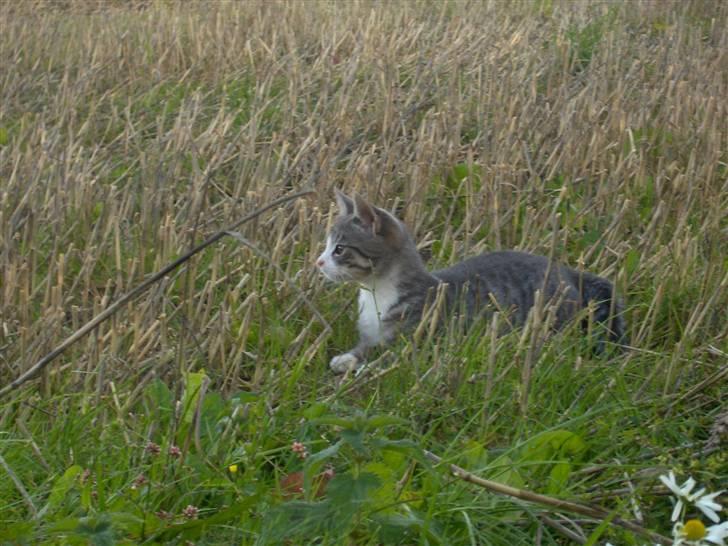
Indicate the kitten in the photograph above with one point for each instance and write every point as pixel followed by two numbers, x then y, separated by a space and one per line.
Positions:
pixel 370 246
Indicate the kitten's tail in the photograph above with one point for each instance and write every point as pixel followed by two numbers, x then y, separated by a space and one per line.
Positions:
pixel 609 307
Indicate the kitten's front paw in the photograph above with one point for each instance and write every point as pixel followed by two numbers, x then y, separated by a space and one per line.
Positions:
pixel 344 363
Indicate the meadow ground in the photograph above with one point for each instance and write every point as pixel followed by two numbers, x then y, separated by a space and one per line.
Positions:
pixel 130 132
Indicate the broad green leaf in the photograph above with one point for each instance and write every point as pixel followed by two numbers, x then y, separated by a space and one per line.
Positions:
pixel 246 397
pixel 62 486
pixel 384 496
pixel 86 497
pixel 347 489
pixel 315 411
pixel 355 438
pixel 474 454
pixel 96 530
pixel 402 446
pixel 324 454
pixel 158 392
pixel 405 528
pixel 559 477
pixel 504 471
pixel 379 421
pixel 554 444
pixel 193 384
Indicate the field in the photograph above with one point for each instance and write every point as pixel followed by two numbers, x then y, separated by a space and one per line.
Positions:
pixel 203 411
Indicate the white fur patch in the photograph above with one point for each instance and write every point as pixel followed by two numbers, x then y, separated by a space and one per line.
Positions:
pixel 344 363
pixel 328 268
pixel 374 304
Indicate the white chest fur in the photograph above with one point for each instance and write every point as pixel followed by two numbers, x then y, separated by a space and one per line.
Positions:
pixel 374 304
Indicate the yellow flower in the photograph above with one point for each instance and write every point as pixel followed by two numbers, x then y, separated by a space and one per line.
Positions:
pixel 233 468
pixel 693 529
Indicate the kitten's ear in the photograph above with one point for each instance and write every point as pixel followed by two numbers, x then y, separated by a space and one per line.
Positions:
pixel 367 214
pixel 346 205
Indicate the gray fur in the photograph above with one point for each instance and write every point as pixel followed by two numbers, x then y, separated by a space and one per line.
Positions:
pixel 370 246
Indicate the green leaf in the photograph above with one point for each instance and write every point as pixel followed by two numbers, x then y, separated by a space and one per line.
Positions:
pixel 405 528
pixel 559 477
pixel 62 486
pixel 98 529
pixel 246 397
pixel 158 392
pixel 504 471
pixel 86 497
pixel 323 454
pixel 193 384
pixel 332 420
pixel 126 521
pixel 355 438
pixel 554 444
pixel 380 421
pixel 347 489
pixel 315 410
pixel 474 455
pixel 401 446
pixel 385 495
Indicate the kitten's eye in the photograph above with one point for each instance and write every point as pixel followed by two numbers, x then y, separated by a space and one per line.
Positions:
pixel 338 249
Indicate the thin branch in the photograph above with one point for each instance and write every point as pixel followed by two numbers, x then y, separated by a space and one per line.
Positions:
pixel 140 289
pixel 591 511
pixel 19 486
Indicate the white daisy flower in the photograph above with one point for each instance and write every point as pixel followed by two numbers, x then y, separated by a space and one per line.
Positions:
pixel 716 533
pixel 682 492
pixel 709 507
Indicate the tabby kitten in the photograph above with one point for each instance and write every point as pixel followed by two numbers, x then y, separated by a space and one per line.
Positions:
pixel 370 246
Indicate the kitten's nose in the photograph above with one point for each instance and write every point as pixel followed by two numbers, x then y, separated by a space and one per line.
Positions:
pixel 320 262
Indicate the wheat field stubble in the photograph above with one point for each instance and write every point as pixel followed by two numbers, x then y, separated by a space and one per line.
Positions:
pixel 594 132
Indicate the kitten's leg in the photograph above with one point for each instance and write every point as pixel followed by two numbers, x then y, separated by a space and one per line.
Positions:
pixel 351 360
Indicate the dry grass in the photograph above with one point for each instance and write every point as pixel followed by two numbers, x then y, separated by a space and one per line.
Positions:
pixel 129 134
pixel 596 131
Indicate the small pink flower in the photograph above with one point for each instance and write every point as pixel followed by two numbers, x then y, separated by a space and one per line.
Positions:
pixel 174 451
pixel 163 514
pixel 153 449
pixel 191 512
pixel 299 449
pixel 140 480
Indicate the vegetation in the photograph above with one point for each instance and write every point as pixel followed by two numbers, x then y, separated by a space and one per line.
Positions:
pixel 204 411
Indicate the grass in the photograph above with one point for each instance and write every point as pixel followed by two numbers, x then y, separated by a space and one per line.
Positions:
pixel 129 133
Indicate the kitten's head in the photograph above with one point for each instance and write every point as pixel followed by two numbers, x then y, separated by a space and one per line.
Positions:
pixel 365 243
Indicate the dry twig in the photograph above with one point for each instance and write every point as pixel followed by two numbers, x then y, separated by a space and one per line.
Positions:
pixel 559 504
